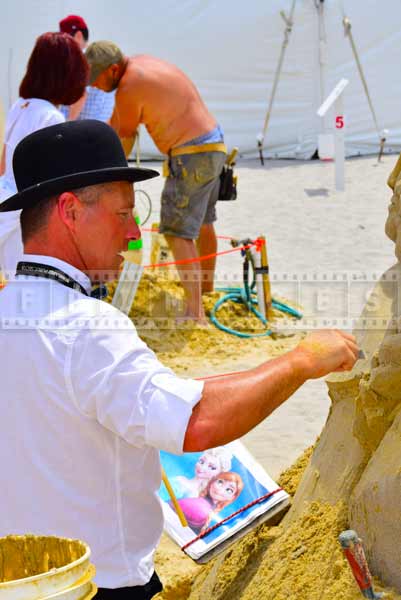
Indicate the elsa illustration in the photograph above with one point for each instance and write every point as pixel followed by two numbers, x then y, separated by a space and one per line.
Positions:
pixel 210 463
pixel 221 491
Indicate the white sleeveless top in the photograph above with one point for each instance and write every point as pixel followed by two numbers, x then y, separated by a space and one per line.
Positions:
pixel 23 118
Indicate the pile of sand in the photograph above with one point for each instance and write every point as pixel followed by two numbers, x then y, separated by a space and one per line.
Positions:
pixel 302 561
pixel 193 350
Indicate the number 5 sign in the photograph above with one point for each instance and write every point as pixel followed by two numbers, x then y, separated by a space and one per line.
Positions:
pixel 336 99
pixel 339 121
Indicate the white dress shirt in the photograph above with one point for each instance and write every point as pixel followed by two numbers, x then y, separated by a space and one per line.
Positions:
pixel 85 407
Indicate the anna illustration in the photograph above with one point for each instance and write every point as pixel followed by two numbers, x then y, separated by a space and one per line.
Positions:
pixel 221 491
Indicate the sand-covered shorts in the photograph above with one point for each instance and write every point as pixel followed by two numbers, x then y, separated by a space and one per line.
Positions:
pixel 190 193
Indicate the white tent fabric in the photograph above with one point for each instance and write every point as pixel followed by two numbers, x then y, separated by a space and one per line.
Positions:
pixel 230 49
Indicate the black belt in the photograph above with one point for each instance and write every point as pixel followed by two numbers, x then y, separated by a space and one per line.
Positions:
pixel 39 270
pixel 138 592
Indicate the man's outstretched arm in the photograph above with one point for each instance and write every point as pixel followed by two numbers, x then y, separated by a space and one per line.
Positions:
pixel 233 405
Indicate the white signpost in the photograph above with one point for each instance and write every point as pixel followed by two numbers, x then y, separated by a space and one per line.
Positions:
pixel 336 98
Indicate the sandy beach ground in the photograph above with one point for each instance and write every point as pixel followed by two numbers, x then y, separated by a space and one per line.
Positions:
pixel 325 251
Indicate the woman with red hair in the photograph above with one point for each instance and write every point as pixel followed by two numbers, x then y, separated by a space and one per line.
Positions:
pixel 57 73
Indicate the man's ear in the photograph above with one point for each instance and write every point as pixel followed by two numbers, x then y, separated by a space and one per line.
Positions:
pixel 69 209
pixel 79 36
pixel 114 70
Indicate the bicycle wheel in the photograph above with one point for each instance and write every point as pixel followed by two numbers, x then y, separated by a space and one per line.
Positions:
pixel 143 205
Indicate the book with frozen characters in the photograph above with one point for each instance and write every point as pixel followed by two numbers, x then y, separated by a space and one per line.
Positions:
pixel 223 493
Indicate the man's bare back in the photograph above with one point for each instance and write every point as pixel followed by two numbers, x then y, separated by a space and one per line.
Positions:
pixel 159 95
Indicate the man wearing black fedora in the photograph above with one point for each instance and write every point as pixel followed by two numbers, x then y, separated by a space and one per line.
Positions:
pixel 85 404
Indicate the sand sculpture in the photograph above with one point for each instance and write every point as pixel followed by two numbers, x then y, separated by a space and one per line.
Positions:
pixel 352 480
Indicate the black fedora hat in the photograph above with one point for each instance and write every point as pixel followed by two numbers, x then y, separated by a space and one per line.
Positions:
pixel 65 157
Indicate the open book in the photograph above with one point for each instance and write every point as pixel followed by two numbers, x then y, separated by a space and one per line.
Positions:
pixel 223 493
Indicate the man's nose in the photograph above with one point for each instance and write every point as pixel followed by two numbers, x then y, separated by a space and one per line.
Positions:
pixel 133 231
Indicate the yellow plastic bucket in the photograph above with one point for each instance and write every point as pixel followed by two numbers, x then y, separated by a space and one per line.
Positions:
pixel 44 567
pixel 84 589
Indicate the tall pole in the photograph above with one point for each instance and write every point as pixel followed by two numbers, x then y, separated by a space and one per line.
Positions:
pixel 339 143
pixel 289 21
pixel 335 99
pixel 348 33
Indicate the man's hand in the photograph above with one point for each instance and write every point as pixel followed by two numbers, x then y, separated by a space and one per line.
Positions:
pixel 322 352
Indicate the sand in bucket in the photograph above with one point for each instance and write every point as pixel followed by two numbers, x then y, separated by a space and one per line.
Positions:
pixel 43 567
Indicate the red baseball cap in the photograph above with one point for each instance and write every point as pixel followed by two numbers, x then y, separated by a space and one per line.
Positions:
pixel 72 24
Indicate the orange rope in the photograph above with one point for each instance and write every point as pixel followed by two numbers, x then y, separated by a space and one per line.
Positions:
pixel 199 258
pixel 235 514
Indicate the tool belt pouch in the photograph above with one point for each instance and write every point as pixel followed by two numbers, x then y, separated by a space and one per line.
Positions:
pixel 228 184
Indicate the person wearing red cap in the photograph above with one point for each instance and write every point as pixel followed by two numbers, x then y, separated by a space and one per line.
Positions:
pixel 77 27
pixel 94 104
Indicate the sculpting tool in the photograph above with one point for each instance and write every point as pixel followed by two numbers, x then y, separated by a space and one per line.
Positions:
pixel 353 550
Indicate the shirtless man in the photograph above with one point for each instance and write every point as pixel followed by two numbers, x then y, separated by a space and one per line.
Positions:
pixel 159 95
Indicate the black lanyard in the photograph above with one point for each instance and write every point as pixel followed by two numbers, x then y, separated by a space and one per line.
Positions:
pixel 39 270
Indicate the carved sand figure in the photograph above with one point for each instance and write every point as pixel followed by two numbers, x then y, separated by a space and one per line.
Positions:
pixel 353 479
pixel 375 502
